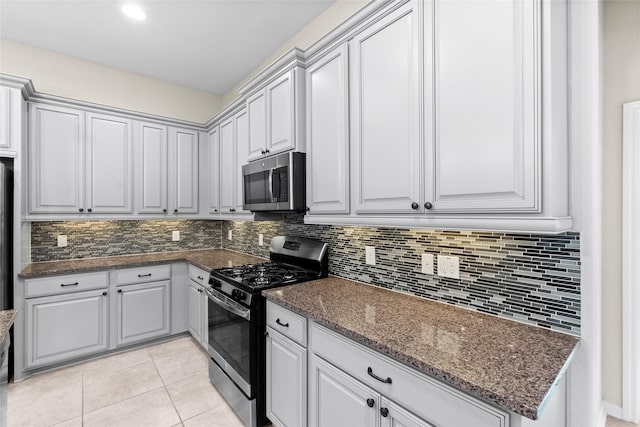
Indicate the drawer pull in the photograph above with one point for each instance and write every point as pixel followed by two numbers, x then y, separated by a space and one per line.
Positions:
pixel 200 278
pixel 382 380
pixel 144 275
pixel 384 412
pixel 64 285
pixel 370 402
pixel 286 325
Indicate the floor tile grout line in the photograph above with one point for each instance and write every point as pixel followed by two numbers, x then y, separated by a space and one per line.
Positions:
pixel 166 390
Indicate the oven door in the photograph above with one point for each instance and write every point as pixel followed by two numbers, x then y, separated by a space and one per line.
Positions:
pixel 232 340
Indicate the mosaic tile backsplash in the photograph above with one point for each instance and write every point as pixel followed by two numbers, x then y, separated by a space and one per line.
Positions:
pixel 88 239
pixel 530 278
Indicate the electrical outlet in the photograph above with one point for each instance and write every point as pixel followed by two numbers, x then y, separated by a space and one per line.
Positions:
pixel 62 240
pixel 427 263
pixel 370 255
pixel 230 235
pixel 449 266
pixel 261 239
pixel 175 235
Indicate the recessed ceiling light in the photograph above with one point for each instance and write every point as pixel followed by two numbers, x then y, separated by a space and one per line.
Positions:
pixel 133 11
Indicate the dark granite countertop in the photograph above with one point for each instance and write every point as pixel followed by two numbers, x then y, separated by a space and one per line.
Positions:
pixel 509 363
pixel 207 259
pixel 6 320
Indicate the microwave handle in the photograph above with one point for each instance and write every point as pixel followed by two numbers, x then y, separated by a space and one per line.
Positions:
pixel 275 186
pixel 270 198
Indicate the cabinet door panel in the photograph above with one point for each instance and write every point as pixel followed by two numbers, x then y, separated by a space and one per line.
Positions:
pixel 142 312
pixel 227 165
pixel 152 166
pixel 195 311
pixel 337 400
pixel 486 136
pixel 186 171
pixel 257 116
pixel 56 160
pixel 385 99
pixel 242 141
pixel 286 381
pixel 109 165
pixel 64 327
pixel 327 135
pixel 214 171
pixel 280 96
pixel 397 416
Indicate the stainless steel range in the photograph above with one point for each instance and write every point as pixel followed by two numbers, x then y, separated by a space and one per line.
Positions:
pixel 237 319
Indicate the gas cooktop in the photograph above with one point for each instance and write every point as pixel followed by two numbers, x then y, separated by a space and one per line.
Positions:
pixel 260 276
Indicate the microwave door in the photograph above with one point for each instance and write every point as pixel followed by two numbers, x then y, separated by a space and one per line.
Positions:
pixel 271 197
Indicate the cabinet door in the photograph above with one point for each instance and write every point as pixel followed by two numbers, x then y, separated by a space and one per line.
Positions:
pixel 227 165
pixel 65 327
pixel 56 160
pixel 257 117
pixel 281 113
pixel 242 141
pixel 393 415
pixel 485 137
pixel 151 168
pixel 338 400
pixel 286 381
pixel 327 134
pixel 384 68
pixel 195 310
pixel 214 171
pixel 10 118
pixel 184 178
pixel 109 165
pixel 142 312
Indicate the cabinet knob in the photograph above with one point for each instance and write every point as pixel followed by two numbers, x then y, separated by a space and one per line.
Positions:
pixel 384 412
pixel 80 210
pixel 428 205
pixel 119 291
pixel 267 151
pixel 175 211
pixel 89 210
pixel 104 294
pixel 164 210
pixel 414 205
pixel 262 152
pixel 215 210
pixel 370 402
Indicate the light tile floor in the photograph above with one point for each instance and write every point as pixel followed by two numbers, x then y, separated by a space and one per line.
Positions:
pixel 614 422
pixel 161 385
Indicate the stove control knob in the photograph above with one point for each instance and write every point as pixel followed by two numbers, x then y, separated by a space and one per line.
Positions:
pixel 215 283
pixel 238 295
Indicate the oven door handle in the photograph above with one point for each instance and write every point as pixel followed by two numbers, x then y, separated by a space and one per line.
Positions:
pixel 245 314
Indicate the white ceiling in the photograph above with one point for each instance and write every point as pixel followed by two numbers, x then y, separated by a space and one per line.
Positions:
pixel 204 44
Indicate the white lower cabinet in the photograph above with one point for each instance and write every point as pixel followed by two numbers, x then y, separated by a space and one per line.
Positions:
pixel 142 312
pixel 198 318
pixel 67 326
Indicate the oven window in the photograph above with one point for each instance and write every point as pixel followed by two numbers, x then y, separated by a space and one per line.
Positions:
pixel 256 188
pixel 230 336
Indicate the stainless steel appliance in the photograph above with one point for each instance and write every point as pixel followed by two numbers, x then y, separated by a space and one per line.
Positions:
pixel 237 320
pixel 275 184
pixel 6 275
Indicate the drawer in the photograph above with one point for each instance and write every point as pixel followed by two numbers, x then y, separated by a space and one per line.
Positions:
pixel 287 323
pixel 54 285
pixel 152 273
pixel 430 399
pixel 198 275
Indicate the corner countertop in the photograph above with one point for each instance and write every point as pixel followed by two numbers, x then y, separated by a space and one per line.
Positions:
pixel 6 320
pixel 509 363
pixel 207 259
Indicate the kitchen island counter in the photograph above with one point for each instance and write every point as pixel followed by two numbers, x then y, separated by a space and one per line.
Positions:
pixel 510 364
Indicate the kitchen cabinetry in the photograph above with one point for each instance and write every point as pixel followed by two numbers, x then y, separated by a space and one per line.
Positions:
pixel 213 171
pixel 11 112
pixel 234 139
pixel 142 304
pixel 286 361
pixel 198 317
pixel 72 321
pixel 276 116
pixel 183 171
pixel 327 127
pixel 151 160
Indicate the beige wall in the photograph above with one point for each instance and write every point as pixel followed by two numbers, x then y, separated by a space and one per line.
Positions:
pixel 56 74
pixel 314 31
pixel 621 84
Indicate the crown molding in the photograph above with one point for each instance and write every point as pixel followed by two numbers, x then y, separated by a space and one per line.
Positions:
pixel 231 109
pixel 16 82
pixel 294 58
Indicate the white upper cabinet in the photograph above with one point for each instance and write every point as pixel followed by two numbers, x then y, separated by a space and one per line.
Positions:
pixel 151 168
pixel 327 100
pixel 56 160
pixel 227 165
pixel 109 164
pixel 242 144
pixel 385 97
pixel 213 171
pixel 276 116
pixel 483 132
pixel 11 116
pixel 183 171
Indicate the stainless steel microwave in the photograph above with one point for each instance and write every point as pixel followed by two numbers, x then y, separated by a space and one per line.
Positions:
pixel 275 184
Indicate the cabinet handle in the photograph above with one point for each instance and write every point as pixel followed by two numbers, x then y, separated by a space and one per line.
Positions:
pixel 414 205
pixel 370 402
pixel 64 285
pixel 428 205
pixel 80 210
pixel 232 210
pixel 89 210
pixel 200 278
pixel 119 291
pixel 286 325
pixel 371 374
pixel 384 412
pixel 144 275
pixel 104 294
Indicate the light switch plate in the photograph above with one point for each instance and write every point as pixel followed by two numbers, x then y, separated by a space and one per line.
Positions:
pixel 261 239
pixel 230 235
pixel 449 266
pixel 370 255
pixel 175 235
pixel 427 263
pixel 62 240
